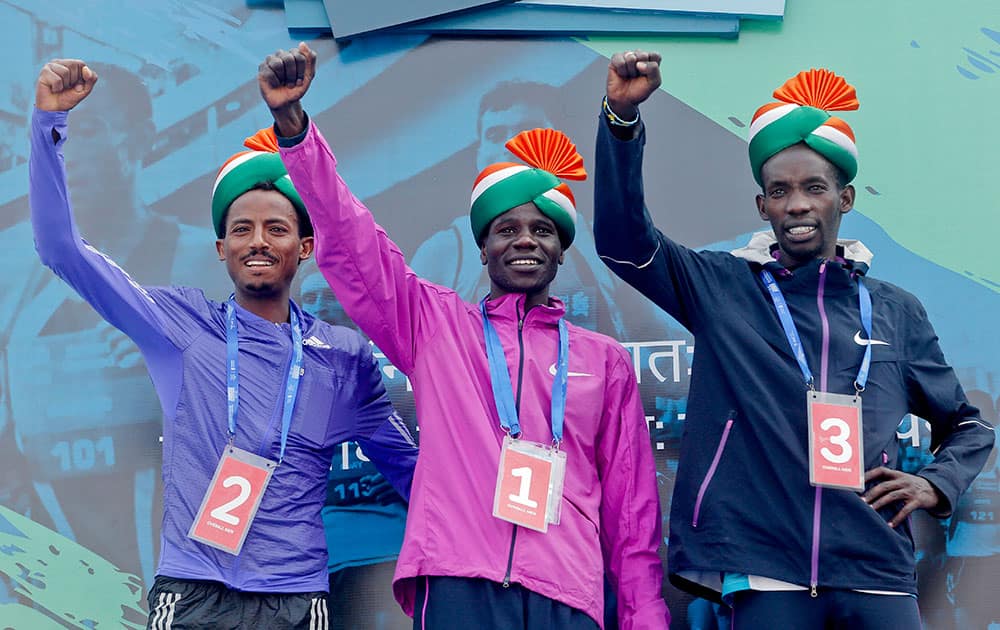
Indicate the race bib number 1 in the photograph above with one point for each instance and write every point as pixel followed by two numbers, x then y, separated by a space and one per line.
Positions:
pixel 231 502
pixel 836 449
pixel 529 484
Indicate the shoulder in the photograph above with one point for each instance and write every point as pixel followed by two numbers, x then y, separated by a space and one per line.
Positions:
pixel 183 298
pixel 896 298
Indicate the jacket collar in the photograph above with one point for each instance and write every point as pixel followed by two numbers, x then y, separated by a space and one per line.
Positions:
pixel 510 307
pixel 760 250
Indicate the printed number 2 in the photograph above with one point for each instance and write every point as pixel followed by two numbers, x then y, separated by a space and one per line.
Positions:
pixel 522 494
pixel 222 512
pixel 844 432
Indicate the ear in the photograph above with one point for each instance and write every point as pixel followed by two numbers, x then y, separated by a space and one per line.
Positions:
pixel 306 246
pixel 482 255
pixel 562 256
pixel 760 208
pixel 220 248
pixel 847 199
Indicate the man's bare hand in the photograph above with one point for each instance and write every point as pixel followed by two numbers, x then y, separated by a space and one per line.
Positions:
pixel 913 491
pixel 62 84
pixel 632 77
pixel 284 78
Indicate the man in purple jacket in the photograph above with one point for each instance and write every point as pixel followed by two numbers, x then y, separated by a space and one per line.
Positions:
pixel 255 392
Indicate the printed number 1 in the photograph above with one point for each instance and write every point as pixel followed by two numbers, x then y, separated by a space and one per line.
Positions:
pixel 843 433
pixel 522 495
pixel 222 512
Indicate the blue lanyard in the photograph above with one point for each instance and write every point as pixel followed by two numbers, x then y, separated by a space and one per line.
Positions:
pixel 503 391
pixel 233 380
pixel 865 304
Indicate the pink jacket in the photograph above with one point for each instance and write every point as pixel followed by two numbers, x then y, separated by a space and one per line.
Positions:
pixel 610 512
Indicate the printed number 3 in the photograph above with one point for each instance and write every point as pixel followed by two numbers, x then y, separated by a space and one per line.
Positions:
pixel 522 494
pixel 844 432
pixel 222 512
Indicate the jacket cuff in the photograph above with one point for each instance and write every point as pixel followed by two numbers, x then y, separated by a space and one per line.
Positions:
pixel 946 491
pixel 287 143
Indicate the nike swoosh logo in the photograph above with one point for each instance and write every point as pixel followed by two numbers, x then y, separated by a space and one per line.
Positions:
pixel 552 371
pixel 868 342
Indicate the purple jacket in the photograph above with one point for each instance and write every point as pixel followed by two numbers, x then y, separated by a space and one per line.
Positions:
pixel 182 336
pixel 610 511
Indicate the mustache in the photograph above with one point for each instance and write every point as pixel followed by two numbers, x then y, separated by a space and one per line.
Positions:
pixel 259 253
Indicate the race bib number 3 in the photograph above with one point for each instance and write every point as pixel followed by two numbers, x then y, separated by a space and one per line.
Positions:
pixel 529 484
pixel 836 449
pixel 231 502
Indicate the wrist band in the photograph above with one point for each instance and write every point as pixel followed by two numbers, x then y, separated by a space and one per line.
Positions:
pixel 615 119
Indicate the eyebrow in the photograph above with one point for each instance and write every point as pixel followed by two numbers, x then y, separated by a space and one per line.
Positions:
pixel 270 221
pixel 812 179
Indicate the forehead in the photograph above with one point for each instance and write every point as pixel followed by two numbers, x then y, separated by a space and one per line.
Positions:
pixel 797 162
pixel 524 213
pixel 262 205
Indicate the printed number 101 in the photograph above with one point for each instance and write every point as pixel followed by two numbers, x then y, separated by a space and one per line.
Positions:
pixel 84 454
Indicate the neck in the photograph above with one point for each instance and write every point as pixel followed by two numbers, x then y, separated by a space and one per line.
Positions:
pixel 536 299
pixel 531 299
pixel 791 262
pixel 273 308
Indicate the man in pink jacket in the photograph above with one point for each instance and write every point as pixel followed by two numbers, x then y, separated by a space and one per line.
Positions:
pixel 535 474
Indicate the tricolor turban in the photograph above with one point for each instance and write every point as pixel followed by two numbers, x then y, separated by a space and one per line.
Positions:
pixel 549 156
pixel 802 116
pixel 246 169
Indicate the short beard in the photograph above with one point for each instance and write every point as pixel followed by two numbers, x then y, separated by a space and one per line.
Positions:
pixel 265 289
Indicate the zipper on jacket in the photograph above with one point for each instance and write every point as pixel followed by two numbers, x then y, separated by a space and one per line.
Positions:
pixel 510 558
pixel 517 407
pixel 824 361
pixel 712 468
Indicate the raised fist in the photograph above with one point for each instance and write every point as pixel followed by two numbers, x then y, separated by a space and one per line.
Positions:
pixel 284 78
pixel 632 77
pixel 62 84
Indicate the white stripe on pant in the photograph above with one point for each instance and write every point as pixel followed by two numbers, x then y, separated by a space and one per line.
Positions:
pixel 318 617
pixel 163 615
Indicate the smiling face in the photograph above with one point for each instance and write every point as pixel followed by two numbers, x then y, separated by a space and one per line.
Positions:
pixel 262 247
pixel 522 253
pixel 804 202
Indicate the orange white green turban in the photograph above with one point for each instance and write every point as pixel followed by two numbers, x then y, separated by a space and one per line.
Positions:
pixel 246 169
pixel 801 116
pixel 549 156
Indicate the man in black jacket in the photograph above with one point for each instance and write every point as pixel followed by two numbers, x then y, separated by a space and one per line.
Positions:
pixel 788 503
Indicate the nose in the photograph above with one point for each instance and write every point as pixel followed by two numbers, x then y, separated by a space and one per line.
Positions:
pixel 525 240
pixel 798 202
pixel 258 241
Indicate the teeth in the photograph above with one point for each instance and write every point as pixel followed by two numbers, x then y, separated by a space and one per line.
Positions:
pixel 259 263
pixel 524 262
pixel 801 229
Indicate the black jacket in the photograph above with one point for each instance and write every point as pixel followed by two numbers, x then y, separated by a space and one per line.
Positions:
pixel 742 500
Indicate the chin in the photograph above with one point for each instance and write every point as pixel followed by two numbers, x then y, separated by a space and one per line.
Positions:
pixel 260 288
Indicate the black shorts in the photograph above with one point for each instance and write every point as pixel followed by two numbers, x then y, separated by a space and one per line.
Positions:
pixel 457 603
pixel 193 604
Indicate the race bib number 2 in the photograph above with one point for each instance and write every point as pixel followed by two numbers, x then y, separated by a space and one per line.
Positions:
pixel 529 484
pixel 836 449
pixel 232 500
